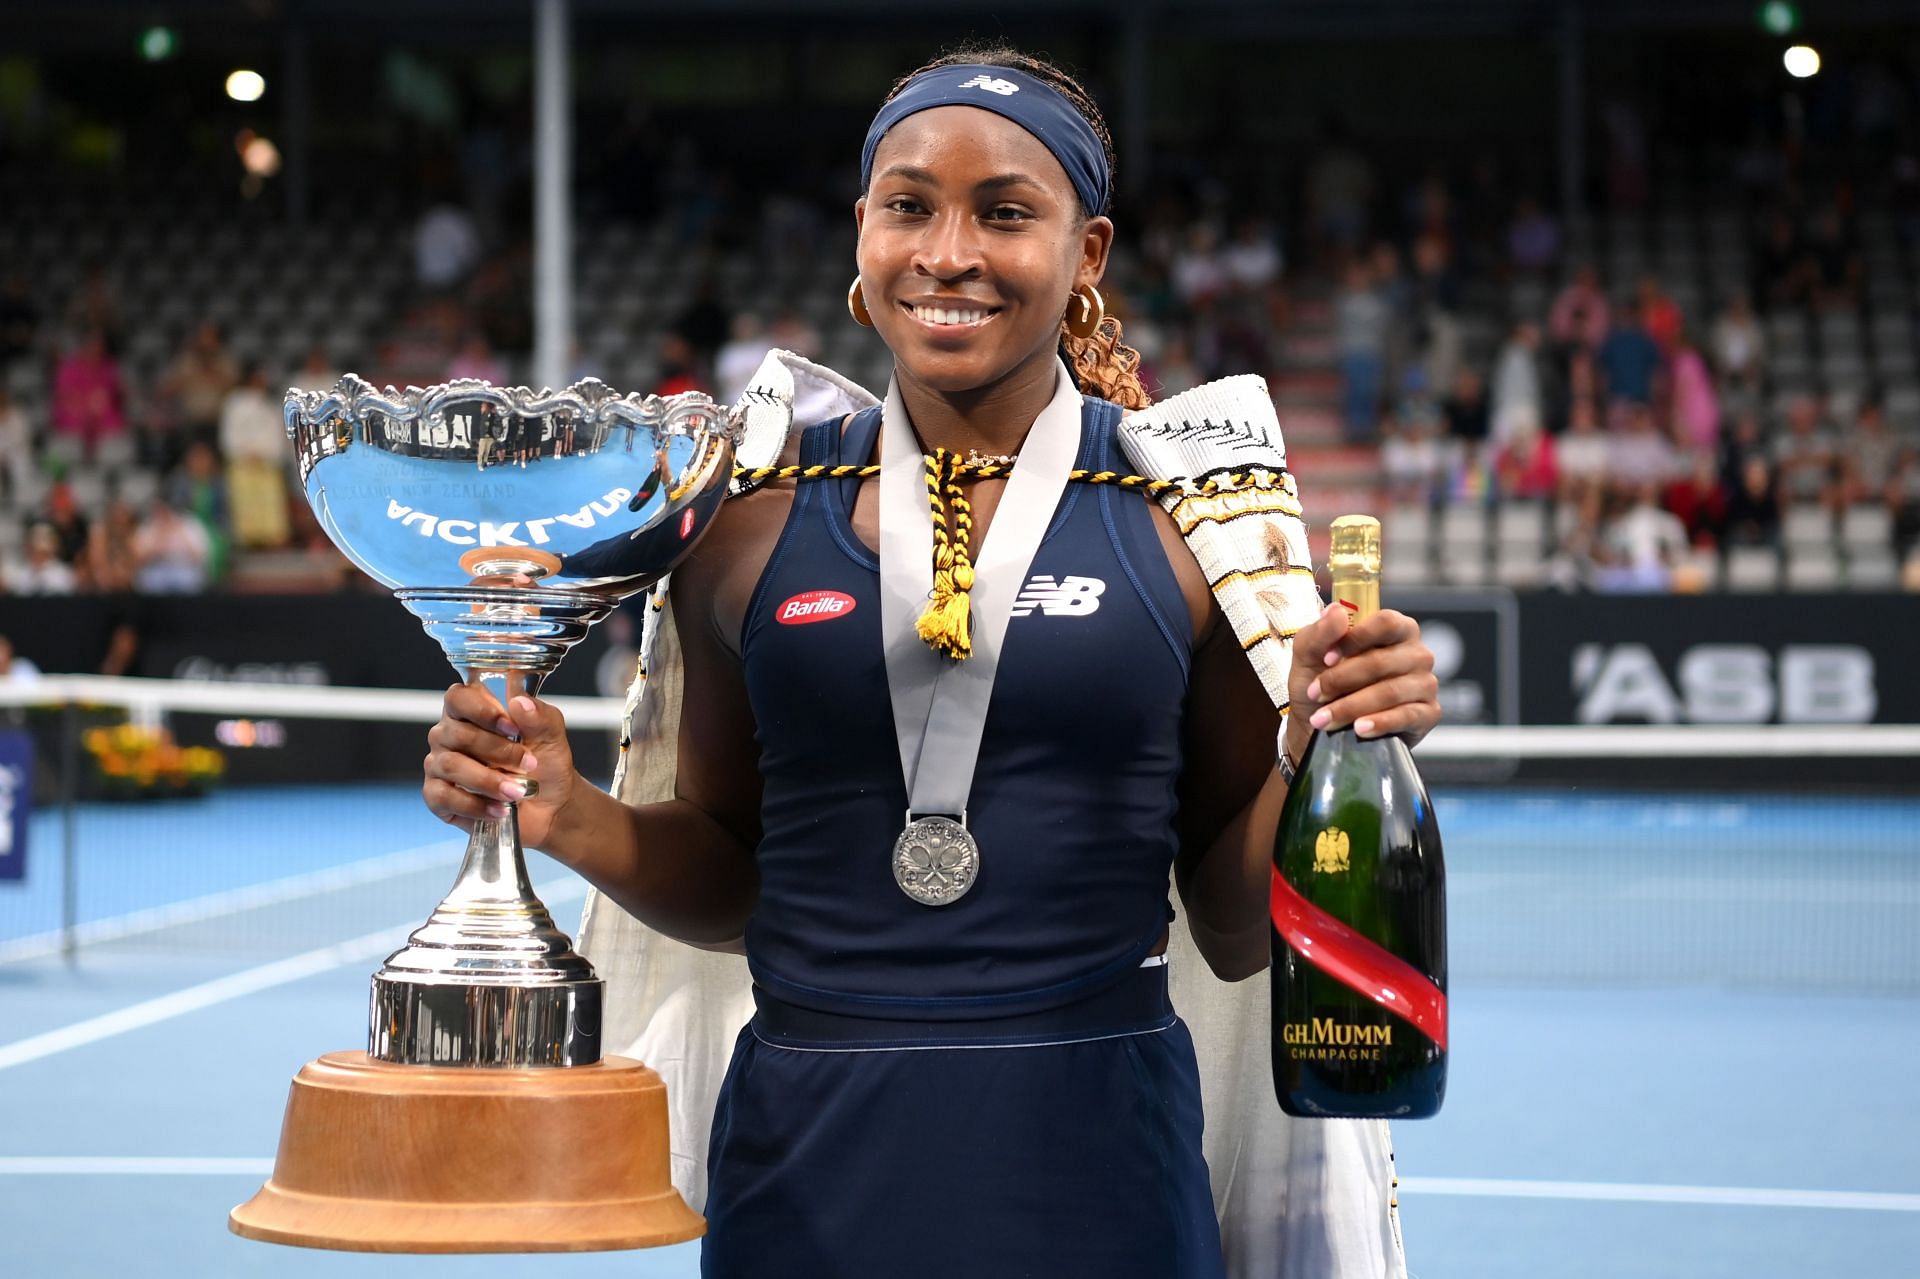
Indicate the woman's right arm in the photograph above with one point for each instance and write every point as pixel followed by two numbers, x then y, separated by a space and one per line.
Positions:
pixel 684 865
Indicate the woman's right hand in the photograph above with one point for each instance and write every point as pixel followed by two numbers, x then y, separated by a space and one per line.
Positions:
pixel 475 768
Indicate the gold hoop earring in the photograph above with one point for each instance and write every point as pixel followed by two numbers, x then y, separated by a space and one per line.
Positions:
pixel 857 305
pixel 1093 309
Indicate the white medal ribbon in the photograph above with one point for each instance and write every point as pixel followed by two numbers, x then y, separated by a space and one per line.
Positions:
pixel 940 705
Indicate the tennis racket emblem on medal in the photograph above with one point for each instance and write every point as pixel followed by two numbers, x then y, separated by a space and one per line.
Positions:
pixel 935 860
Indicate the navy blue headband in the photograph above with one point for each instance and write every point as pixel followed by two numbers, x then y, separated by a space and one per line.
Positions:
pixel 1028 102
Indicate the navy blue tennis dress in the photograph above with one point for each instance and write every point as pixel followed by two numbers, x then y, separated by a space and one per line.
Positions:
pixel 997 1087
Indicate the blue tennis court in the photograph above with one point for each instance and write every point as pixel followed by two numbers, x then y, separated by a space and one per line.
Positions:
pixel 1683 1029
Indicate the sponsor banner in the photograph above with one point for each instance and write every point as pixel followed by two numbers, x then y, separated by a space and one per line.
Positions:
pixel 16 801
pixel 1719 659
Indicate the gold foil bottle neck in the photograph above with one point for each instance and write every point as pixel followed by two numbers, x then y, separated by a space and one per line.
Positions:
pixel 1354 564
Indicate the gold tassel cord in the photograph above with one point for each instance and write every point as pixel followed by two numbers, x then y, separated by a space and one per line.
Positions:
pixel 946 624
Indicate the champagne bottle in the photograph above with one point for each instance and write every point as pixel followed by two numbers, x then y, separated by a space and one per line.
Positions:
pixel 1359 929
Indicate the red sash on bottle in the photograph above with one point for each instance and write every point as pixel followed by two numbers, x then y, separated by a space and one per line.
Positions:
pixel 1358 963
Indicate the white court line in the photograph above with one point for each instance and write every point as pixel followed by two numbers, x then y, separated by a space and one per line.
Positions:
pixel 232 901
pixel 221 989
pixel 1631 1192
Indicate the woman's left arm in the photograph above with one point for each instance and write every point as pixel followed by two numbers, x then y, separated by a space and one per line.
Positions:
pixel 1377 676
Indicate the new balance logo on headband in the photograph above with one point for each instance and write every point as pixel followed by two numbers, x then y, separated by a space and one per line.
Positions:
pixel 992 84
pixel 1068 597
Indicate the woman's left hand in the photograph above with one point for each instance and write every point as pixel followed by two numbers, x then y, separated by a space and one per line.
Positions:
pixel 1376 676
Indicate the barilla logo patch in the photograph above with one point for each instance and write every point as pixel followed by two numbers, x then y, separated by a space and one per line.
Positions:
pixel 686 524
pixel 813 606
pixel 993 84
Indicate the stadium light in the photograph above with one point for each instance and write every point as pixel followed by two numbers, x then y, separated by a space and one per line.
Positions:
pixel 1802 60
pixel 246 86
pixel 157 44
pixel 1779 17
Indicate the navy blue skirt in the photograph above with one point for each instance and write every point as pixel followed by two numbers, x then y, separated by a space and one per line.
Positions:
pixel 1059 1143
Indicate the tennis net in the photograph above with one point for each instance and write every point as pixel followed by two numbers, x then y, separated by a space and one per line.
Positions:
pixel 1772 857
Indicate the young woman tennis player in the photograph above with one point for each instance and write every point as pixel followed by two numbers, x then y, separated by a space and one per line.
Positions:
pixel 950 876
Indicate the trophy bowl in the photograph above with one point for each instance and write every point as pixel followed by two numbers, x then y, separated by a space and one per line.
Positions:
pixel 509 522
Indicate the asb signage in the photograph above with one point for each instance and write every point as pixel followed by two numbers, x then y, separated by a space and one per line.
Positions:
pixel 1721 659
pixel 16 801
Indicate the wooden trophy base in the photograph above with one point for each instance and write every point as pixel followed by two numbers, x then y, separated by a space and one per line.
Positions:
pixel 376 1157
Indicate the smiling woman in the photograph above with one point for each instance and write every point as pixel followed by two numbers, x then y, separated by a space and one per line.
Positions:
pixel 943 832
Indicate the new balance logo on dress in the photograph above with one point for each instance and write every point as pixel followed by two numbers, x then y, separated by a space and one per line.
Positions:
pixel 1068 597
pixel 993 84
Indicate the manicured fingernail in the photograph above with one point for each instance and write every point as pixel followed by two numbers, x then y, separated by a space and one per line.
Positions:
pixel 496 811
pixel 1332 658
pixel 1321 718
pixel 1313 691
pixel 505 727
pixel 528 763
pixel 513 791
pixel 1364 727
pixel 523 706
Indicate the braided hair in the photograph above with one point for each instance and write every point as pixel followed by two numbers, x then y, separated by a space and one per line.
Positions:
pixel 1102 364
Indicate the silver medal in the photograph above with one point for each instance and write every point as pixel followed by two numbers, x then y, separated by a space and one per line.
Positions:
pixel 935 861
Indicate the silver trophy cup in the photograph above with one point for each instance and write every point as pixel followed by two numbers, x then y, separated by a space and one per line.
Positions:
pixel 509 522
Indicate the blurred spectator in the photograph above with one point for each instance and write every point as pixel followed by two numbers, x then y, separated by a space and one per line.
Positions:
pixel 1753 510
pixel 197 386
pixel 63 515
pixel 705 324
pixel 95 306
pixel 1252 260
pixel 741 357
pixel 1582 457
pixel 677 372
pixel 1659 313
pixel 16 447
pixel 1745 438
pixel 89 398
pixel 1581 315
pixel 43 572
pixel 1834 261
pixel 1362 321
pixel 111 560
pixel 18 320
pixel 197 494
pixel 791 332
pixel 15 669
pixel 446 248
pixel 317 372
pixel 1411 458
pixel 1903 494
pixel 1640 545
pixel 1524 465
pixel 1629 359
pixel 123 650
pixel 1869 457
pixel 1199 275
pixel 1466 408
pixel 1340 186
pixel 1699 502
pixel 1517 390
pixel 1803 457
pixel 1175 370
pixel 1638 455
pixel 1533 241
pixel 253 440
pixel 1739 345
pixel 1696 405
pixel 475 359
pixel 172 551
